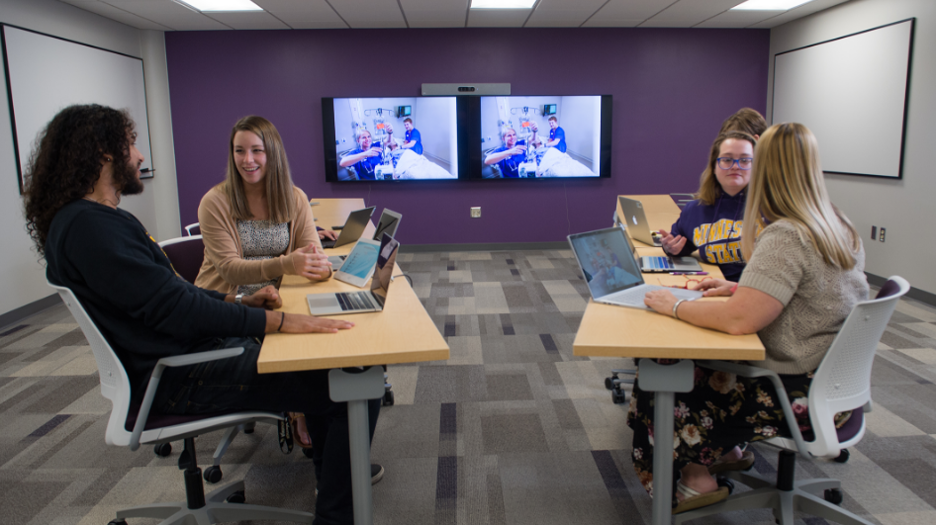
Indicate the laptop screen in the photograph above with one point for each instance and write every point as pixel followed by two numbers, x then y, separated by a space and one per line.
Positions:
pixel 607 261
pixel 361 259
pixel 386 257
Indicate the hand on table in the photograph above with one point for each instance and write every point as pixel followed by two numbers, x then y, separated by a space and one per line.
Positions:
pixel 327 234
pixel 308 324
pixel 715 287
pixel 661 301
pixel 266 297
pixel 672 244
pixel 311 263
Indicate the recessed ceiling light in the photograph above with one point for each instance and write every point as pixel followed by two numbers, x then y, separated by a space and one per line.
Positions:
pixel 769 5
pixel 207 6
pixel 502 4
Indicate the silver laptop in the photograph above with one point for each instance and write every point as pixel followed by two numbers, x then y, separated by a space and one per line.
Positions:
pixel 352 229
pixel 662 263
pixel 373 300
pixel 613 277
pixel 388 223
pixel 637 222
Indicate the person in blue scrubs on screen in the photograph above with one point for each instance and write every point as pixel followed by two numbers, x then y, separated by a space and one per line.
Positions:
pixel 556 135
pixel 413 139
pixel 510 156
pixel 365 158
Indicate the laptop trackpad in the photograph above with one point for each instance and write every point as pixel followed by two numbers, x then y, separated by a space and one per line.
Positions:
pixel 323 303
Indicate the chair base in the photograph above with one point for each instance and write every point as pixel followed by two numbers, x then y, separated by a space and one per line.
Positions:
pixel 784 503
pixel 216 510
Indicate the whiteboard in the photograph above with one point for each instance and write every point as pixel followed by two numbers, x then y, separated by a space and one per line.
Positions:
pixel 852 93
pixel 45 74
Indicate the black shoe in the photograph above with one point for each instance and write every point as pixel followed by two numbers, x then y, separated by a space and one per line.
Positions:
pixel 376 472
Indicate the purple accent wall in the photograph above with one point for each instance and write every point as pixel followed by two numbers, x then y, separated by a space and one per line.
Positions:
pixel 672 88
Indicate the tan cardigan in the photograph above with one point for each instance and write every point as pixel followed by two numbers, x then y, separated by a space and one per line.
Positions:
pixel 224 267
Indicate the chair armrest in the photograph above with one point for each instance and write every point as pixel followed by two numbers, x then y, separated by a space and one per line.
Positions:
pixel 174 361
pixel 784 400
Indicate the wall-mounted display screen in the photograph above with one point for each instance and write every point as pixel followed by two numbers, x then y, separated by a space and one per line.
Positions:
pixel 552 136
pixel 403 138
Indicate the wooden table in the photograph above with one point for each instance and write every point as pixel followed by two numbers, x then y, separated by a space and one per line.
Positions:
pixel 402 333
pixel 614 331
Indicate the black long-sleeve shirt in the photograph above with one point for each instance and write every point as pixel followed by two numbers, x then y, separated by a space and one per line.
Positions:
pixel 127 285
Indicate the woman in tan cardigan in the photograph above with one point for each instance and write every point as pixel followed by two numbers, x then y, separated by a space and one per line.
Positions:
pixel 256 225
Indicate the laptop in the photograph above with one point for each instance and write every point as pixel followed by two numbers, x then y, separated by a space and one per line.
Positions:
pixel 389 222
pixel 352 229
pixel 634 213
pixel 607 262
pixel 359 266
pixel 373 300
pixel 662 263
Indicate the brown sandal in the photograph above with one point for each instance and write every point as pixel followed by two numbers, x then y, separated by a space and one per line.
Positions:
pixel 300 431
pixel 746 462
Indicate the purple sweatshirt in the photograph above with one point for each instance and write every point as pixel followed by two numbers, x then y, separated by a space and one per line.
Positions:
pixel 715 231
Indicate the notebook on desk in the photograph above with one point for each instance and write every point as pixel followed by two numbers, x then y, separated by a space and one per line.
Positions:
pixel 636 221
pixel 662 263
pixel 388 223
pixel 606 258
pixel 372 300
pixel 352 229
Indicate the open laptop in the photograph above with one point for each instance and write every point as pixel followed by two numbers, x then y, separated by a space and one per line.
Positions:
pixel 607 262
pixel 373 300
pixel 352 229
pixel 388 223
pixel 662 263
pixel 359 266
pixel 637 222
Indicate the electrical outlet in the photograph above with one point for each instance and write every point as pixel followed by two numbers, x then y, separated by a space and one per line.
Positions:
pixel 476 212
pixel 874 233
pixel 881 238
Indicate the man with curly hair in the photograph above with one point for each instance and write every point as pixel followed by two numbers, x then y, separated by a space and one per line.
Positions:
pixel 85 162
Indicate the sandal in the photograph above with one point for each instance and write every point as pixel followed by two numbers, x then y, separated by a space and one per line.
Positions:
pixel 693 499
pixel 745 463
pixel 300 431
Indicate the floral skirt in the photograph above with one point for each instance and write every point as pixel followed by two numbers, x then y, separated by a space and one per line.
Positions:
pixel 721 412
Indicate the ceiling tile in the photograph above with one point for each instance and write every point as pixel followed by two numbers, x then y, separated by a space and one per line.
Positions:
pixel 435 13
pixel 804 10
pixel 687 13
pixel 254 20
pixel 308 14
pixel 112 13
pixel 497 17
pixel 361 14
pixel 563 13
pixel 169 14
pixel 737 19
pixel 626 13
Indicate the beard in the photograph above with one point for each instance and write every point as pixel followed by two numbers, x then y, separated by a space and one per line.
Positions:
pixel 127 178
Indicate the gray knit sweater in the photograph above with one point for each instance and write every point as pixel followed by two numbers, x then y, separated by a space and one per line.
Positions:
pixel 816 297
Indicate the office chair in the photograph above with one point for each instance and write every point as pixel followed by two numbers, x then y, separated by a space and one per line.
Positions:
pixel 842 382
pixel 193 229
pixel 225 504
pixel 186 255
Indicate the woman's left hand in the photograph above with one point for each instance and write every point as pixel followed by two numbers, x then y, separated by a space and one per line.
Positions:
pixel 311 263
pixel 327 234
pixel 661 301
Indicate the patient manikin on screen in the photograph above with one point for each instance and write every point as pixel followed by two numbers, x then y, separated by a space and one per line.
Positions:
pixel 607 261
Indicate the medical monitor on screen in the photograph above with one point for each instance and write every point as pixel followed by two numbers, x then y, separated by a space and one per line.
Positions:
pixel 544 137
pixel 386 139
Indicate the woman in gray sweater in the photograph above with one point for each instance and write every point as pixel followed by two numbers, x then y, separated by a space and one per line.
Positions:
pixel 804 274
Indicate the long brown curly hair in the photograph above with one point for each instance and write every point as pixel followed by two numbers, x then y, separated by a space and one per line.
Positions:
pixel 66 162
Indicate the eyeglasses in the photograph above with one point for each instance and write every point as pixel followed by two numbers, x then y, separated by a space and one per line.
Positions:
pixel 726 163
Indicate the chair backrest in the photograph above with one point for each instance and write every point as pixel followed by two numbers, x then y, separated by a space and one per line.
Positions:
pixel 186 255
pixel 115 385
pixel 843 380
pixel 193 229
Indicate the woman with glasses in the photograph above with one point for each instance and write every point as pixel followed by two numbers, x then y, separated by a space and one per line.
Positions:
pixel 803 277
pixel 712 223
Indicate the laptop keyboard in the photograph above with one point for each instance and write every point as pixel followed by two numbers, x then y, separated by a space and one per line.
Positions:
pixel 355 301
pixel 658 263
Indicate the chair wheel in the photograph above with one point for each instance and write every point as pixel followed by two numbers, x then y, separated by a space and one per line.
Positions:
pixel 213 474
pixel 388 398
pixel 609 383
pixel 163 449
pixel 725 482
pixel 117 522
pixel 618 397
pixel 237 497
pixel 249 428
pixel 843 456
pixel 833 496
pixel 307 452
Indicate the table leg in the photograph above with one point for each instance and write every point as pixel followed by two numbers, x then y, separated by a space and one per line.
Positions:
pixel 357 387
pixel 664 381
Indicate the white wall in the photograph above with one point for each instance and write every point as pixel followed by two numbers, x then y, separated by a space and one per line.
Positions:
pixel 22 277
pixel 905 207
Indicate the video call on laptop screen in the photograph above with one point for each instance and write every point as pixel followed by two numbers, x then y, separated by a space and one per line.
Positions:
pixel 541 136
pixel 606 260
pixel 402 138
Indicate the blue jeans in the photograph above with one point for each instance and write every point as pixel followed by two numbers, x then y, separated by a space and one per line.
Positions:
pixel 233 384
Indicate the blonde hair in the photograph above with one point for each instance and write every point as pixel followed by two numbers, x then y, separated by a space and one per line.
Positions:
pixel 787 183
pixel 709 187
pixel 279 187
